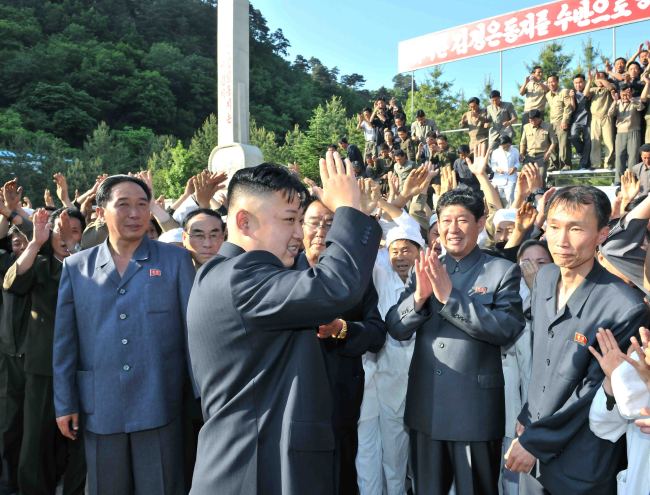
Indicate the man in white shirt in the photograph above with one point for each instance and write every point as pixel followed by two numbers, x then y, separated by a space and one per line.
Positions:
pixel 505 164
pixel 383 438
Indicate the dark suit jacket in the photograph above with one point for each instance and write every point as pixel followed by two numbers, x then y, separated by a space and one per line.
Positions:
pixel 456 387
pixel 566 377
pixel 259 367
pixel 366 333
pixel 14 313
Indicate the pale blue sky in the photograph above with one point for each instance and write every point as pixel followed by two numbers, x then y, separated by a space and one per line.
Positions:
pixel 362 36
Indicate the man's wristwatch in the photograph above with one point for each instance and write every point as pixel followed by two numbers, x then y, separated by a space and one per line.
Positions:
pixel 343 332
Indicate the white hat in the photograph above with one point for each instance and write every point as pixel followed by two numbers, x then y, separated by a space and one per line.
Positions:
pixel 398 233
pixel 432 220
pixel 171 236
pixel 504 215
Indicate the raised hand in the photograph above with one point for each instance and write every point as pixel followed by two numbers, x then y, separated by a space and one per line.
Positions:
pixel 533 176
pixel 610 356
pixel 47 198
pixel 4 209
pixel 423 287
pixel 438 277
pixel 412 184
pixel 368 199
pixel 448 179
pixel 642 366
pixel 340 188
pixel 541 205
pixel 86 208
pixel 529 269
pixel 478 166
pixel 61 188
pixel 630 186
pixel 27 203
pixel 41 232
pixel 12 193
pixel 525 217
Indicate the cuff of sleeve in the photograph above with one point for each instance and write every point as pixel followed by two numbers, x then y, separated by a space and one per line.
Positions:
pixel 542 456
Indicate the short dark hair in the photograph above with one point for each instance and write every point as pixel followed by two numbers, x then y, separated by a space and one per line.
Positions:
pixel 431 134
pixel 495 94
pixel 464 149
pixel 620 58
pixel 106 187
pixel 420 113
pixel 367 109
pixel 553 75
pixel 265 179
pixel 574 196
pixel 537 67
pixel 368 155
pixel 72 213
pixel 464 197
pixel 383 147
pixel 624 86
pixel 443 137
pixel 397 153
pixel 535 114
pixel 343 140
pixel 505 140
pixel 579 76
pixel 634 63
pixel 387 130
pixel 644 148
pixel 399 115
pixel 530 243
pixel 202 211
pixel 474 99
pixel 402 128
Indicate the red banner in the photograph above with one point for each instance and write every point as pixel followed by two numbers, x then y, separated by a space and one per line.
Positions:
pixel 523 27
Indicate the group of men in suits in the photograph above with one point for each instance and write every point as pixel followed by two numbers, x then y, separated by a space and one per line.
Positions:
pixel 271 338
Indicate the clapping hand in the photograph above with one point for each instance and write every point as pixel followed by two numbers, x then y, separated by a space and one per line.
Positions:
pixel 642 366
pixel 340 187
pixel 47 198
pixel 41 232
pixel 448 180
pixel 12 192
pixel 610 356
pixel 369 196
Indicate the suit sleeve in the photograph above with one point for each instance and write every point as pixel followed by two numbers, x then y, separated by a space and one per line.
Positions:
pixel 20 284
pixel 498 323
pixel 547 437
pixel 402 320
pixel 186 273
pixel 368 334
pixel 269 296
pixel 66 349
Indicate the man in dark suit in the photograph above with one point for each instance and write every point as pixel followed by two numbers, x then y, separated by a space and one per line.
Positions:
pixel 343 341
pixel 462 308
pixel 120 349
pixel 571 300
pixel 252 325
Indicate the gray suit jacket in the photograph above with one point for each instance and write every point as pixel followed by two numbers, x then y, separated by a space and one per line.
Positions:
pixel 566 377
pixel 455 389
pixel 266 398
pixel 120 342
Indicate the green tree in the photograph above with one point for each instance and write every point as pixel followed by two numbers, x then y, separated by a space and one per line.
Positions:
pixel 553 60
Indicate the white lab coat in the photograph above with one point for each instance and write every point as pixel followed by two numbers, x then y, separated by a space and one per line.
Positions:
pixel 631 394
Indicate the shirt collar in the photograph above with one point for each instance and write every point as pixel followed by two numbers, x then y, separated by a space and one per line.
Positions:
pixel 463 265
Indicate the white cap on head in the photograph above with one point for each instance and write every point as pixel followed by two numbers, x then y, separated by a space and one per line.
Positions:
pixel 399 233
pixel 432 220
pixel 504 215
pixel 171 236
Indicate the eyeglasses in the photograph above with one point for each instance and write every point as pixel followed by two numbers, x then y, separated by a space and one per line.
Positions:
pixel 201 237
pixel 314 225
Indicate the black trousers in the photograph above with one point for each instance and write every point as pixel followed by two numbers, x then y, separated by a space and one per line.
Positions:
pixel 45 454
pixel 345 453
pixel 12 398
pixel 472 466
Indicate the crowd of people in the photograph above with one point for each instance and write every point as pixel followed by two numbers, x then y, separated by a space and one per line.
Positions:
pixel 423 320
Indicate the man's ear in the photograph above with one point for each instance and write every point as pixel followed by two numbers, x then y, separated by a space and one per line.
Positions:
pixel 243 220
pixel 100 213
pixel 602 235
pixel 481 223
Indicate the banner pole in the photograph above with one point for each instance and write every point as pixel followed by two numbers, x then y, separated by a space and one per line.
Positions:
pixel 501 72
pixel 613 43
pixel 412 94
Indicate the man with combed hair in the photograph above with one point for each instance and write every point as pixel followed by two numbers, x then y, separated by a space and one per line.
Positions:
pixel 462 308
pixel 252 333
pixel 571 299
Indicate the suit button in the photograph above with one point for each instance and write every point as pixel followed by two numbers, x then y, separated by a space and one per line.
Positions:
pixel 548 362
pixel 438 372
pixel 121 292
pixel 537 415
pixel 126 367
pixel 442 345
pixel 552 334
pixel 123 316
pixel 125 341
pixel 544 388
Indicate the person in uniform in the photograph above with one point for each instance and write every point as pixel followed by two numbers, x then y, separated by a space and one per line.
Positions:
pixel 599 90
pixel 462 308
pixel 533 90
pixel 560 106
pixel 501 115
pixel 252 324
pixel 36 274
pixel 538 142
pixel 571 299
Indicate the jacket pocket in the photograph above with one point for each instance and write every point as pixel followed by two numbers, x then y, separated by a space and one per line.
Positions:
pixel 491 381
pixel 311 436
pixel 86 385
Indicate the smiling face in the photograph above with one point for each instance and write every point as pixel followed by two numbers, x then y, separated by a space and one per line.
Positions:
pixel 503 231
pixel 402 255
pixel 459 230
pixel 59 246
pixel 579 84
pixel 552 83
pixel 267 222
pixel 573 234
pixel 317 223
